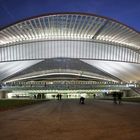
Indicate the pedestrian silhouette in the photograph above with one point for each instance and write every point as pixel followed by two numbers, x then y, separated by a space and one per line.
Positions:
pixel 60 96
pixel 57 96
pixel 120 97
pixel 82 100
pixel 94 96
pixel 115 97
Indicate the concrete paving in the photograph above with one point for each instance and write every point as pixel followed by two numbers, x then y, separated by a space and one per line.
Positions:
pixel 69 120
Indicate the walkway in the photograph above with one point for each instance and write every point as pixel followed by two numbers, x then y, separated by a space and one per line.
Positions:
pixel 69 120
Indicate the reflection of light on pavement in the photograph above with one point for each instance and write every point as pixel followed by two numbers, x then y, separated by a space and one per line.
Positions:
pixel 83 95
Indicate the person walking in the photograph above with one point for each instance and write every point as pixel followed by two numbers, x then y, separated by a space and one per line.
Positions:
pixel 94 95
pixel 120 97
pixel 115 97
pixel 60 96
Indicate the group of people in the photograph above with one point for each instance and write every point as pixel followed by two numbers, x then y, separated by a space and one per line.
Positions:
pixel 117 96
pixel 59 96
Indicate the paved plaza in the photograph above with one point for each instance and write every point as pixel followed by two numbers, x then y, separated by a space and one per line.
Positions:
pixel 69 120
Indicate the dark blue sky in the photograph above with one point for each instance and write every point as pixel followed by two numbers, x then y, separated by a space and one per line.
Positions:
pixel 126 11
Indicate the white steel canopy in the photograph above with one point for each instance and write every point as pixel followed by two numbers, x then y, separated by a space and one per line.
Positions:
pixel 86 37
pixel 72 35
pixel 70 26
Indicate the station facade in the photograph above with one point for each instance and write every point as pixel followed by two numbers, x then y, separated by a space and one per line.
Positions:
pixel 69 53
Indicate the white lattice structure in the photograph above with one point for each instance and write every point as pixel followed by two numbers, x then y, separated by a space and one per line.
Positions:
pixel 86 37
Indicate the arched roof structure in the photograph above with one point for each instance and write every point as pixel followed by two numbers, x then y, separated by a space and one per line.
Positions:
pixel 82 36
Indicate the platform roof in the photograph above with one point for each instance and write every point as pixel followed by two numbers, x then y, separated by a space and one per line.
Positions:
pixel 72 26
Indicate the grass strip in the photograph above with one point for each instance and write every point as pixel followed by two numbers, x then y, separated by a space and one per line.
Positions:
pixel 11 103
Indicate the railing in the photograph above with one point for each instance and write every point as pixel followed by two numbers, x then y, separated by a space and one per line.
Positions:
pixel 66 86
